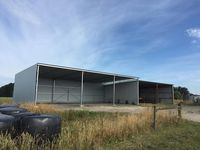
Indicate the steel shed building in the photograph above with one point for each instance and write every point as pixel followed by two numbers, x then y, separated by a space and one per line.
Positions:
pixel 44 83
pixel 154 92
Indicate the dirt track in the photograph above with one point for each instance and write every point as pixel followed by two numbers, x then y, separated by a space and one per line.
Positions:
pixel 103 108
pixel 191 113
pixel 188 112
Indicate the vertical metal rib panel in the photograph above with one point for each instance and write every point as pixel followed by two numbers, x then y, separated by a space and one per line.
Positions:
pixel 36 85
pixel 82 78
pixel 53 90
pixel 113 90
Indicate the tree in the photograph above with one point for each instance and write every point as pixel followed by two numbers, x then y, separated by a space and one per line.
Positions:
pixel 7 90
pixel 183 91
pixel 177 95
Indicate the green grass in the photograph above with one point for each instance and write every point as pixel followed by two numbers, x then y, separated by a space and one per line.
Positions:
pixel 103 130
pixel 6 100
pixel 89 130
pixel 183 136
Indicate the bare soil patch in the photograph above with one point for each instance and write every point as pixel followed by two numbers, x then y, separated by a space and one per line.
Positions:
pixel 102 108
pixel 191 113
pixel 188 112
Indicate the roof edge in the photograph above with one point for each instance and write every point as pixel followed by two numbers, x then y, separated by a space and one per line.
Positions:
pixel 86 70
pixel 156 82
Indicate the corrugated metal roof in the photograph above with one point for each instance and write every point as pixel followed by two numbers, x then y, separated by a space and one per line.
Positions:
pixel 154 82
pixel 85 70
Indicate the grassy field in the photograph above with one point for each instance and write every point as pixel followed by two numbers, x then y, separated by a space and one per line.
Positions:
pixel 102 130
pixel 6 100
pixel 181 136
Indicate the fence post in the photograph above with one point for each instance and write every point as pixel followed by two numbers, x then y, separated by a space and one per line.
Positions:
pixel 179 110
pixel 154 117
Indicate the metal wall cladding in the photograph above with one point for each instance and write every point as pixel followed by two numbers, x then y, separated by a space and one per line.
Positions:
pixel 24 87
pixel 67 91
pixel 125 93
pixel 164 94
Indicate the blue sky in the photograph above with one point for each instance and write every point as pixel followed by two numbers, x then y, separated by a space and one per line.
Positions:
pixel 154 40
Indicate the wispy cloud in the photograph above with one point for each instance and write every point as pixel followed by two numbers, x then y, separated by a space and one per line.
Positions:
pixel 181 70
pixel 194 32
pixel 124 37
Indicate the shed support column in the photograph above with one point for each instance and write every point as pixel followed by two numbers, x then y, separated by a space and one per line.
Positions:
pixel 36 84
pixel 138 92
pixel 157 98
pixel 53 90
pixel 82 78
pixel 172 94
pixel 113 90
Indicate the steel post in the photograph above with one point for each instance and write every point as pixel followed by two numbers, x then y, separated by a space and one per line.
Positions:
pixel 82 79
pixel 36 84
pixel 113 90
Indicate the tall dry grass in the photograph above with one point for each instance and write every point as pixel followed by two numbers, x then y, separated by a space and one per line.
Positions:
pixel 6 100
pixel 39 108
pixel 92 133
pixel 89 130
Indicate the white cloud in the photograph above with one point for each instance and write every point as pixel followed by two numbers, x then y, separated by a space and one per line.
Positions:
pixel 194 32
pixel 102 35
pixel 23 11
pixel 72 33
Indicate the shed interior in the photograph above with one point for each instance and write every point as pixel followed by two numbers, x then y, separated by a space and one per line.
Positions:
pixel 63 85
pixel 153 92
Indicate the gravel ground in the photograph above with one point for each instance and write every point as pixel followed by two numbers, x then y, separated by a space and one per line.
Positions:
pixel 103 108
pixel 188 112
pixel 191 113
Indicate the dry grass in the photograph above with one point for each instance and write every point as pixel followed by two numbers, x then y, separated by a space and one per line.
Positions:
pixel 39 108
pixel 92 133
pixel 6 100
pixel 188 102
pixel 88 130
pixel 158 105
